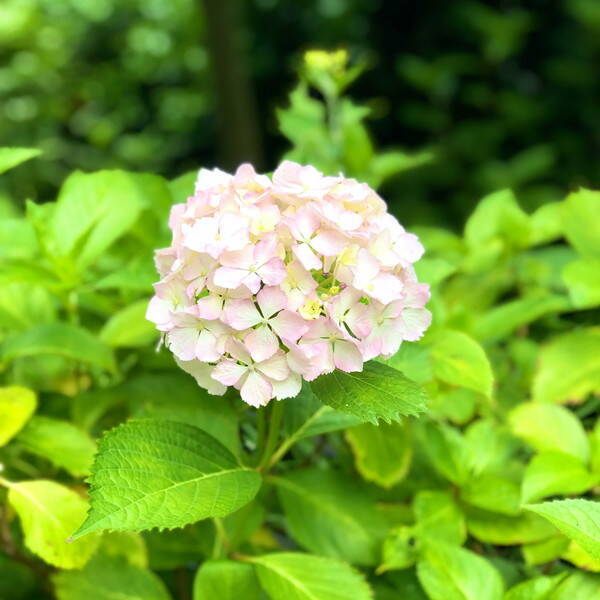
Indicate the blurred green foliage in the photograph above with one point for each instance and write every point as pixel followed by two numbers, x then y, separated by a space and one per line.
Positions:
pixel 504 93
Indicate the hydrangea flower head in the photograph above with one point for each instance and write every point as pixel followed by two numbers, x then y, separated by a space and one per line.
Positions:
pixel 272 281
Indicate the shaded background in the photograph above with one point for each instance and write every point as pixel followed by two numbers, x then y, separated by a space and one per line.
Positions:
pixel 504 92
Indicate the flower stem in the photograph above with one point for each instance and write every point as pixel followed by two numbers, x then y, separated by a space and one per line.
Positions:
pixel 273 435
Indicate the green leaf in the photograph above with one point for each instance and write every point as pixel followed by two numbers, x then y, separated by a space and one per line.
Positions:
pixel 126 544
pixel 295 576
pixel 61 442
pixel 11 157
pixel 498 215
pixel 95 209
pixel 155 473
pixel 546 223
pixel 306 416
pixel 569 367
pixel 177 397
pixel 582 278
pixel 174 548
pixel 182 187
pixel 17 404
pixel 414 361
pixel 446 450
pixel 578 519
pixel 382 452
pixel 49 512
pixel 459 360
pixel 109 578
pixel 544 551
pixel 552 473
pixel 579 557
pixel 451 573
pixel 502 530
pixel 59 339
pixel 492 492
pixel 490 446
pixel 439 518
pixel 226 580
pixel 578 585
pixel 378 392
pixel 503 319
pixel 399 550
pixel 540 588
pixel 331 515
pixel 548 427
pixel 581 217
pixel 129 327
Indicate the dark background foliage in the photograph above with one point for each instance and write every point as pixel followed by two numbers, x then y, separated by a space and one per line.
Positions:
pixel 505 92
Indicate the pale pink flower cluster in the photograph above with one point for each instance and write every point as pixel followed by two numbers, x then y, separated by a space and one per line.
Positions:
pixel 271 281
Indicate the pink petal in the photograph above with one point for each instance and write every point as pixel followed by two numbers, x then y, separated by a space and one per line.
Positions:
pixel 228 372
pixel 386 288
pixel 275 367
pixel 239 259
pixel 415 321
pixel 367 267
pixel 209 307
pixel 229 277
pixel 289 325
pixel 272 272
pixel 265 250
pixel 241 314
pixel 271 300
pixel 182 342
pixel 288 388
pixel 391 337
pixel 234 230
pixel 329 243
pixel 360 319
pixel 346 356
pixel 262 343
pixel 408 247
pixel 206 347
pixel 238 351
pixel 256 390
pixel 201 372
pixel 158 313
pixel 200 234
pixel 416 294
pixel 252 282
pixel 306 256
pixel 304 222
pixel 372 345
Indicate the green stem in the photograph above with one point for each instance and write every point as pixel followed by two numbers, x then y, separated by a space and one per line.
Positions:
pixel 261 431
pixel 220 539
pixel 273 436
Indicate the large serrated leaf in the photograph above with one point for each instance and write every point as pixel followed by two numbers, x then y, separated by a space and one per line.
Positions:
pixel 153 473
pixel 578 519
pixel 295 576
pixel 377 392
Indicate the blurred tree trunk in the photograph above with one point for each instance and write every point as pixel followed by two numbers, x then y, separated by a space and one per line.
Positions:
pixel 239 132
